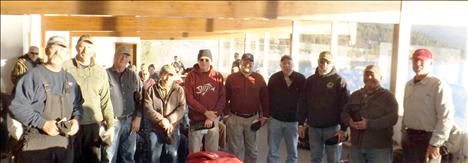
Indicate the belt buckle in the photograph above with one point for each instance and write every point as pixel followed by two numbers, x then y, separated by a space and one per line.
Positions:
pixel 123 117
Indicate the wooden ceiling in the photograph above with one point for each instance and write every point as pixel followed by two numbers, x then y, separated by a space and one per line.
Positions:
pixel 202 9
pixel 194 19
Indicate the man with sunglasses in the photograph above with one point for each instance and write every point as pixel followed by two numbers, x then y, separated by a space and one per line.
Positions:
pixel 48 103
pixel 322 99
pixel 205 94
pixel 25 63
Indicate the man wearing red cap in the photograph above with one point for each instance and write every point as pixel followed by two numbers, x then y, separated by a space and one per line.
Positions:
pixel 428 112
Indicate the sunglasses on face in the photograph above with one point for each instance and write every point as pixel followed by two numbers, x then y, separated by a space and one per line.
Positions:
pixel 34 53
pixel 204 60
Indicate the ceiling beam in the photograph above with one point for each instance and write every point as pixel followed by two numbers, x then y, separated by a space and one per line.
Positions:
pixel 150 24
pixel 378 11
pixel 162 35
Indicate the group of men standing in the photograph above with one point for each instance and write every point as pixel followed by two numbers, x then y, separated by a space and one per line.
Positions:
pixel 101 110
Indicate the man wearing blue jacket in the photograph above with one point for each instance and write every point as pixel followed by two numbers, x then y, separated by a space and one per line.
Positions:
pixel 48 103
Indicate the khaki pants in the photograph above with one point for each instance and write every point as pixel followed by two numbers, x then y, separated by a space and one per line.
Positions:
pixel 211 138
pixel 241 139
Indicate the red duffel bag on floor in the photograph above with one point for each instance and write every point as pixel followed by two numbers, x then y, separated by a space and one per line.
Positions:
pixel 212 157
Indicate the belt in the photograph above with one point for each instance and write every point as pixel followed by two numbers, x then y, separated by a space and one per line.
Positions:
pixel 123 117
pixel 244 115
pixel 417 132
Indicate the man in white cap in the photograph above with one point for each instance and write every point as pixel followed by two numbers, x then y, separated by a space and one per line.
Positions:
pixel 48 102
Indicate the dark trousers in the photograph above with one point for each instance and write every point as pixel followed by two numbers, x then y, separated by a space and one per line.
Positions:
pixel 414 145
pixel 39 148
pixel 87 144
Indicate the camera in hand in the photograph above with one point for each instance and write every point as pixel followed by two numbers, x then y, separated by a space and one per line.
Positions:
pixel 356 116
pixel 200 126
pixel 334 140
pixel 255 126
pixel 64 126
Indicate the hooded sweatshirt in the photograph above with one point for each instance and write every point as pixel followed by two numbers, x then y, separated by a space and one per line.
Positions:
pixel 322 100
pixel 204 91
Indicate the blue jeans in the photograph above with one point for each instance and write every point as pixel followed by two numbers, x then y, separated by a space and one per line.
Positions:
pixel 359 155
pixel 317 138
pixel 123 144
pixel 276 131
pixel 157 144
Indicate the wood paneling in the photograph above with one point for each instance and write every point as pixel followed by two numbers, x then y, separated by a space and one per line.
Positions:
pixel 148 24
pixel 331 10
pixel 162 35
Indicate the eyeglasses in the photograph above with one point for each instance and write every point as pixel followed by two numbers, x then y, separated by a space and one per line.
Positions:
pixel 34 53
pixel 204 60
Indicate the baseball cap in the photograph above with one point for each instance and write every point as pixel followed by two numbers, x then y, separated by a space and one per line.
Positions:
pixel 123 50
pixel 326 55
pixel 86 38
pixel 59 40
pixel 422 54
pixel 248 56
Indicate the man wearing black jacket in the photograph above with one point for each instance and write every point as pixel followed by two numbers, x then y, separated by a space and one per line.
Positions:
pixel 322 99
pixel 284 90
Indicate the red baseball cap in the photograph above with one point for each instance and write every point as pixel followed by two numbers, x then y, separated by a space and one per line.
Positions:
pixel 422 54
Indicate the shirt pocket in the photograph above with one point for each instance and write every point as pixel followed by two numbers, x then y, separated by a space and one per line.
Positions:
pixel 428 99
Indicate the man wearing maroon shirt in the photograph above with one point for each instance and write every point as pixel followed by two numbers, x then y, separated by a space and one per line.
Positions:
pixel 205 94
pixel 247 101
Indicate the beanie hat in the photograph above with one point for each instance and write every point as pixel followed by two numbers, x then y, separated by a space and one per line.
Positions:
pixel 204 53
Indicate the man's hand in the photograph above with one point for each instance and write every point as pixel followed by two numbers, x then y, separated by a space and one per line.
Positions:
pixel 211 115
pixel 301 131
pixel 74 127
pixel 341 136
pixel 359 125
pixel 432 152
pixel 50 128
pixel 167 125
pixel 136 121
pixel 263 120
pixel 109 133
pixel 225 118
pixel 208 123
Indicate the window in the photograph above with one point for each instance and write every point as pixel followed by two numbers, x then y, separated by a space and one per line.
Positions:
pixel 448 46
pixel 362 44
pixel 161 52
pixel 314 38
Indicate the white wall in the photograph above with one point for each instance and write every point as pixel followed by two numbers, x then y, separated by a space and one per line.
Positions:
pixel 11 47
pixel 18 32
